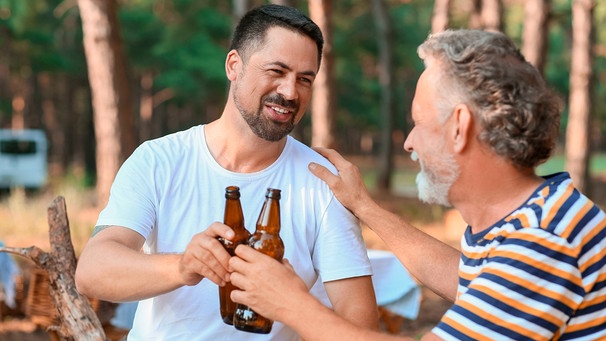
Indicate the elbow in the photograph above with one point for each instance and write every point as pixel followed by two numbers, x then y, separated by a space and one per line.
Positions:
pixel 85 281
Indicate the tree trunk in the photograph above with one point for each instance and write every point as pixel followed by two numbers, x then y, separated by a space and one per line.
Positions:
pixel 290 3
pixel 536 32
pixel 486 15
pixel 240 7
pixel 146 105
pixel 581 74
pixel 77 317
pixel 113 119
pixel 492 15
pixel 386 72
pixel 475 16
pixel 5 72
pixel 441 16
pixel 322 102
pixel 52 121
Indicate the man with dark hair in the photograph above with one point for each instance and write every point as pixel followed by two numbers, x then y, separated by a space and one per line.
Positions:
pixel 532 264
pixel 168 199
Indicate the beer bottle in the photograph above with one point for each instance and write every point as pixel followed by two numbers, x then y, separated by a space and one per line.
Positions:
pixel 265 239
pixel 234 218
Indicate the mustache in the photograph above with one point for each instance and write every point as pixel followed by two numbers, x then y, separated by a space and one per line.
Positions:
pixel 281 101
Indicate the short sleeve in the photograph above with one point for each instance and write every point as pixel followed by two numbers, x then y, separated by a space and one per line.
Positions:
pixel 527 290
pixel 132 199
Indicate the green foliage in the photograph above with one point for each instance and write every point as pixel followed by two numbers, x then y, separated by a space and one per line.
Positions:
pixel 184 44
pixel 356 52
pixel 32 29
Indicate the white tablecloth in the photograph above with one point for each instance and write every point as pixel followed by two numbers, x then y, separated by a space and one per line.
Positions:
pixel 396 290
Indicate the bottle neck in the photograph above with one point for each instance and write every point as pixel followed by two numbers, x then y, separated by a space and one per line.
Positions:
pixel 269 219
pixel 233 216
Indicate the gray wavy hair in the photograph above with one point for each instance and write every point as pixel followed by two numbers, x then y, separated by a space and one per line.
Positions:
pixel 519 114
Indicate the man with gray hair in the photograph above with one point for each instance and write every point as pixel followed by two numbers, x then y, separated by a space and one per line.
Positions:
pixel 532 264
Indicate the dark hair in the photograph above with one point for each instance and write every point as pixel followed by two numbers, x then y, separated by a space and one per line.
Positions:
pixel 519 114
pixel 252 28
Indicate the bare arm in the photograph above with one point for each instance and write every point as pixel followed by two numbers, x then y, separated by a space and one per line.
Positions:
pixel 354 299
pixel 281 295
pixel 432 262
pixel 111 266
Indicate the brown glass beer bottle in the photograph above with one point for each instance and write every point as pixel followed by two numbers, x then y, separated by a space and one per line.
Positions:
pixel 266 239
pixel 234 218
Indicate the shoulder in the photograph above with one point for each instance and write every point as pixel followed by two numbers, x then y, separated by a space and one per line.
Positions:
pixel 565 210
pixel 305 154
pixel 180 139
pixel 172 145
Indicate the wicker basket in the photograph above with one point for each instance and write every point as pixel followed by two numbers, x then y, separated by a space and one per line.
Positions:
pixel 41 309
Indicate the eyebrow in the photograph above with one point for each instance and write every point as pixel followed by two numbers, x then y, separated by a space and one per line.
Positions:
pixel 284 66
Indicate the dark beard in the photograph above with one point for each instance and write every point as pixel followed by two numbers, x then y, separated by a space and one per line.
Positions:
pixel 264 128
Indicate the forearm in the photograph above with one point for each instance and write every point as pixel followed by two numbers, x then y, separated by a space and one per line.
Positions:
pixel 315 322
pixel 432 262
pixel 112 272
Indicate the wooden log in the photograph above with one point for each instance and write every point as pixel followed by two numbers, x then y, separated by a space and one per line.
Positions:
pixel 78 320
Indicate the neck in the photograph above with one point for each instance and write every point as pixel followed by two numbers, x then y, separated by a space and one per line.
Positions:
pixel 236 148
pixel 483 199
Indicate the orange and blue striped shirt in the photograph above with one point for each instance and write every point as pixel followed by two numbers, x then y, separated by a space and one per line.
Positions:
pixel 538 274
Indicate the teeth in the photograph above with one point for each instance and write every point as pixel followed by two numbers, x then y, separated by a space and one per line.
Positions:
pixel 280 110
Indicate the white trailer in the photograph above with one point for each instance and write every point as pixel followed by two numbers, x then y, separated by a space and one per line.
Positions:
pixel 23 158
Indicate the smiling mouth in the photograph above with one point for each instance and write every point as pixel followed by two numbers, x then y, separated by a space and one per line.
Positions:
pixel 281 110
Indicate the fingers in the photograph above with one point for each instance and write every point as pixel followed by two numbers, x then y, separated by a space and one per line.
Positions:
pixel 263 283
pixel 218 229
pixel 250 262
pixel 205 256
pixel 340 163
pixel 332 155
pixel 323 173
pixel 247 257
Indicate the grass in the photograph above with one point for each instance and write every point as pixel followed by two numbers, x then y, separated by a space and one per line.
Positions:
pixel 556 163
pixel 24 220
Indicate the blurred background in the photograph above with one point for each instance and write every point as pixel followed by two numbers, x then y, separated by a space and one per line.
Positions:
pixel 83 82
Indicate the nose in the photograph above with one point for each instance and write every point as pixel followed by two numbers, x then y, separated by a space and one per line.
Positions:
pixel 288 88
pixel 408 143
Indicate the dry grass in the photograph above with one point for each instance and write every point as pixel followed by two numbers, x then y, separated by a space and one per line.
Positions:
pixel 23 217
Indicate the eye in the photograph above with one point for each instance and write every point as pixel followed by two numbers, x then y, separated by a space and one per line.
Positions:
pixel 276 71
pixel 306 80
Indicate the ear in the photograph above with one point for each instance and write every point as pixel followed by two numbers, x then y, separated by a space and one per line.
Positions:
pixel 232 63
pixel 463 127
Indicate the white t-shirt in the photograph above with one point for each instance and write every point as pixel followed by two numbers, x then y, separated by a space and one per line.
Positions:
pixel 171 188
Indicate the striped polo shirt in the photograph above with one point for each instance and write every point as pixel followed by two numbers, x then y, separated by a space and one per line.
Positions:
pixel 538 274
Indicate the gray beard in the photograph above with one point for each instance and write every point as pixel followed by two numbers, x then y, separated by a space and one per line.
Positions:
pixel 434 187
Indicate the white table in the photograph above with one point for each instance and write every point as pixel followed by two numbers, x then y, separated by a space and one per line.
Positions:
pixel 396 290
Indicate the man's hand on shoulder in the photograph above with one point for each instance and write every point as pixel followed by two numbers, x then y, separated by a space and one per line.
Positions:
pixel 347 185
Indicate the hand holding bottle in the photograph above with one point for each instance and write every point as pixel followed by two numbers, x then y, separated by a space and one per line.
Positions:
pixel 266 239
pixel 271 294
pixel 205 257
